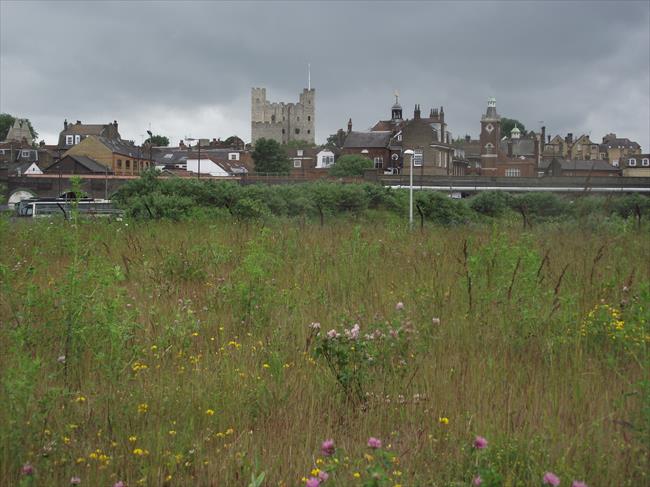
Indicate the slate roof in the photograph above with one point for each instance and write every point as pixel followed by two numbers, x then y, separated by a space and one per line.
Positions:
pixel 19 168
pixel 377 139
pixel 593 165
pixel 91 164
pixel 123 147
pixel 609 143
pixel 520 147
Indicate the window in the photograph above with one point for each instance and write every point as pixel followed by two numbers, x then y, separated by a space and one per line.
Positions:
pixel 297 119
pixel 399 137
pixel 309 131
pixel 24 153
pixel 645 162
pixel 297 163
pixel 69 140
pixel 379 162
pixel 418 158
pixel 77 139
pixel 513 172
pixel 272 118
pixel 309 118
pixel 282 130
pixel 297 131
pixel 128 164
pixel 119 164
pixel 631 162
pixel 2 151
pixel 439 159
pixel 489 148
pixel 299 152
pixel 233 156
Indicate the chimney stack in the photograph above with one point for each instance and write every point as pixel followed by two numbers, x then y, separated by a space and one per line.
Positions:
pixel 349 126
pixel 543 138
pixel 416 112
pixel 569 138
pixel 65 124
pixel 78 122
pixel 115 124
pixel 510 148
pixel 468 138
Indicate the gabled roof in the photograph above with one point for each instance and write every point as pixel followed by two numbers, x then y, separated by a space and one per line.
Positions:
pixel 376 139
pixel 123 147
pixel 91 164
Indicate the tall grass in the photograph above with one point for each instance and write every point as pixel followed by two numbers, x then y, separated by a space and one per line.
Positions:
pixel 181 353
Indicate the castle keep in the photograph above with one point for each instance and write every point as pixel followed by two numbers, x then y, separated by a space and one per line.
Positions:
pixel 283 122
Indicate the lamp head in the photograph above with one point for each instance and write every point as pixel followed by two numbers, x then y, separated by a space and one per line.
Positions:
pixel 408 152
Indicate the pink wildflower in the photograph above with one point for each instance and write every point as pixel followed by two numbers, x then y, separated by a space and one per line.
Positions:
pixel 354 333
pixel 119 483
pixel 435 321
pixel 61 359
pixel 374 442
pixel 477 480
pixel 578 483
pixel 480 443
pixel 327 448
pixel 312 482
pixel 27 469
pixel 323 476
pixel 332 333
pixel 75 481
pixel 399 306
pixel 551 479
pixel 315 326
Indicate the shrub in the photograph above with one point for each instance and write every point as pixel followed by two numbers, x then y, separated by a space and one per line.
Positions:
pixel 438 208
pixel 350 165
pixel 250 209
pixel 490 203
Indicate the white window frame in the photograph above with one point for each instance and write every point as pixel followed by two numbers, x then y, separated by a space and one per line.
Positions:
pixel 233 156
pixel 299 152
pixel 24 153
pixel 297 163
pixel 69 140
pixel 379 162
pixel 645 162
pixel 418 158
pixel 77 139
pixel 513 172
pixel 631 162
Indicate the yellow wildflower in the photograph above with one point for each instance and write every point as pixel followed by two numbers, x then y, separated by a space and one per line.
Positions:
pixel 143 408
pixel 209 412
pixel 443 420
pixel 356 475
pixel 133 439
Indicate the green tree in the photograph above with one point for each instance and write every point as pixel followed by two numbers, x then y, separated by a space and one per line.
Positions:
pixel 350 165
pixel 158 141
pixel 269 156
pixel 507 124
pixel 6 121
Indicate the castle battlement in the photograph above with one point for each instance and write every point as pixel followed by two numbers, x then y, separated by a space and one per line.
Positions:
pixel 283 121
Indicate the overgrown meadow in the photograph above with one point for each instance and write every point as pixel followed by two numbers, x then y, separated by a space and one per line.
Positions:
pixel 235 352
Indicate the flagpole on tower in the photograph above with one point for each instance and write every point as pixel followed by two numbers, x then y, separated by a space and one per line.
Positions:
pixel 309 76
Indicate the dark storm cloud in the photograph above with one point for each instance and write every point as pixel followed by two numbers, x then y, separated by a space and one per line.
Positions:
pixel 187 68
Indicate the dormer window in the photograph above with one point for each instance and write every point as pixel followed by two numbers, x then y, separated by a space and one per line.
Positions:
pixel 233 156
pixel 645 162
pixel 69 140
pixel 299 152
pixel 631 162
pixel 77 139
pixel 24 153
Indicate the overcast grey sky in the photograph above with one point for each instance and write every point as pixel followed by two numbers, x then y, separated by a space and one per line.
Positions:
pixel 187 68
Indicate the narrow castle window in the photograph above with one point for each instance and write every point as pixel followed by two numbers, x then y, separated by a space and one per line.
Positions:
pixel 309 118
pixel 308 131
pixel 272 118
pixel 297 131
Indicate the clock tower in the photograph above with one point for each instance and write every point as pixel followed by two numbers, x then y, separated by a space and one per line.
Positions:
pixel 490 135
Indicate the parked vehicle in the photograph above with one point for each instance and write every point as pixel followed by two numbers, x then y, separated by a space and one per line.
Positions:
pixel 47 207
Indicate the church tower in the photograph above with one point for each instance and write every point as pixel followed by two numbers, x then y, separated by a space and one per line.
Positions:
pixel 396 110
pixel 490 135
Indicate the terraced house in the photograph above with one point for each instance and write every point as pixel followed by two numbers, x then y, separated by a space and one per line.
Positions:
pixel 119 156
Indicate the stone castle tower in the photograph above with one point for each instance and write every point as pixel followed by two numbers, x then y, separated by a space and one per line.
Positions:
pixel 283 122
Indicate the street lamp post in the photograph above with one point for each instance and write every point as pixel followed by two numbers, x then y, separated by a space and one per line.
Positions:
pixel 410 153
pixel 150 147
pixel 189 139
